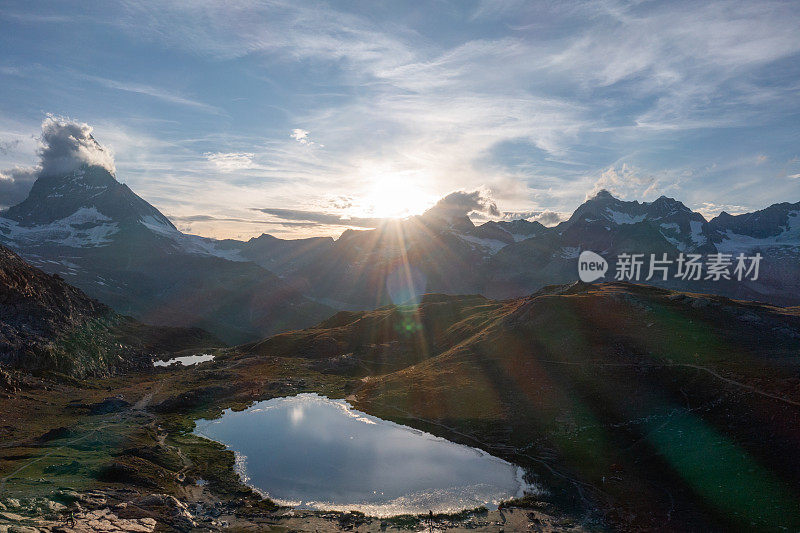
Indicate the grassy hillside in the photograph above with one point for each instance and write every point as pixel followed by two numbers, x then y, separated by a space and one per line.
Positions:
pixel 658 407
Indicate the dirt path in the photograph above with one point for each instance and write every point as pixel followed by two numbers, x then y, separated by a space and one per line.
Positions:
pixel 687 365
pixel 738 384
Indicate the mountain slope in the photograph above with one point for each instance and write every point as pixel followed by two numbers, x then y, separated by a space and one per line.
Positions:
pixel 280 256
pixel 47 325
pixel 396 262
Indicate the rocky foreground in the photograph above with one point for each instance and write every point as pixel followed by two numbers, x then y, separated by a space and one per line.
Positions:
pixel 100 511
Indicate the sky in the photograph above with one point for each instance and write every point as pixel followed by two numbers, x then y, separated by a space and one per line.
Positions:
pixel 304 118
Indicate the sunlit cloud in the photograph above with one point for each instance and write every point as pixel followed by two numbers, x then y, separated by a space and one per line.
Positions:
pixel 300 136
pixel 549 218
pixel 63 146
pixel 460 204
pixel 625 182
pixel 230 162
pixel 67 144
pixel 709 210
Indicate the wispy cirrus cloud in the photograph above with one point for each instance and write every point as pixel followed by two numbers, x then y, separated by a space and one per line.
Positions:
pixel 320 217
pixel 153 92
pixel 230 161
pixel 536 103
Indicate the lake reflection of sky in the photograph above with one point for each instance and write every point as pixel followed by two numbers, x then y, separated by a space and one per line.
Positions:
pixel 313 452
pixel 186 360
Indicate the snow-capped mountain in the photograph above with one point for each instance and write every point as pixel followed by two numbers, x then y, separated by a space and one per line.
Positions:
pixel 610 226
pixel 493 236
pixel 85 208
pixel 778 224
pixel 103 238
pixel 55 198
pixel 774 233
pixel 89 208
pixel 681 227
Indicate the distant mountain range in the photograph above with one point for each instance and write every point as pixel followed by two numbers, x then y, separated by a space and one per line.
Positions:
pixel 103 238
pixel 510 259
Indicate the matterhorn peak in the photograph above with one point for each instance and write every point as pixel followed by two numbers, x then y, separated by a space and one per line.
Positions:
pixel 603 194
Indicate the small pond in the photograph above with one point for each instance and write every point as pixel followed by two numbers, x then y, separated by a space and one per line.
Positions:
pixel 312 452
pixel 186 360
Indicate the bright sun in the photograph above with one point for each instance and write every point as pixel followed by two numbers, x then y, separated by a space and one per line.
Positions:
pixel 394 196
